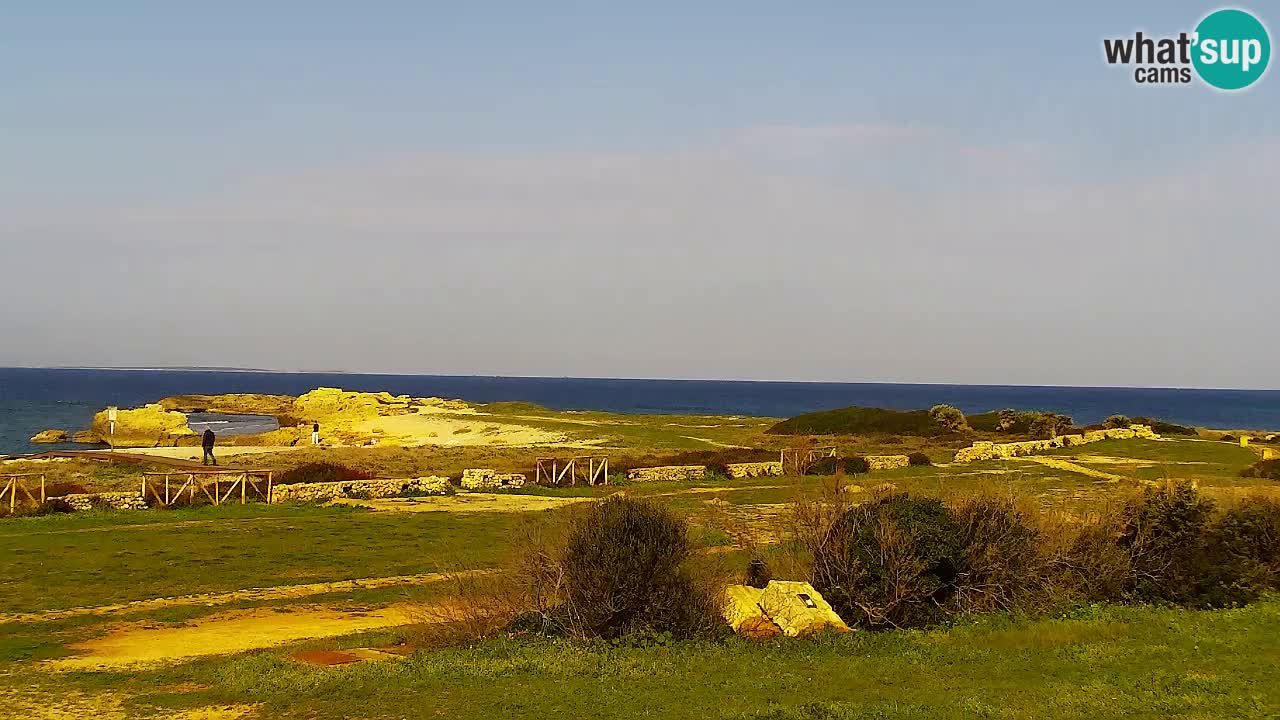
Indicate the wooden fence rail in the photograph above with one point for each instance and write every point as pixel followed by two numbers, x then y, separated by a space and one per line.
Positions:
pixel 555 471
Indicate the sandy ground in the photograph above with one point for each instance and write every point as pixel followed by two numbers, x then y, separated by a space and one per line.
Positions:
pixel 72 705
pixel 467 502
pixel 143 645
pixel 279 592
pixel 436 429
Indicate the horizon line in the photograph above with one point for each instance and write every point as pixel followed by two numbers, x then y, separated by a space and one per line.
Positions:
pixel 190 368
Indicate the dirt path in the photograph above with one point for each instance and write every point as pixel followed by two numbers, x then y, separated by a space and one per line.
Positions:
pixel 140 645
pixel 155 525
pixel 1059 464
pixel 280 592
pixel 75 705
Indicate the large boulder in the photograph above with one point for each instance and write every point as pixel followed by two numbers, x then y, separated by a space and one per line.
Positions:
pixel 798 609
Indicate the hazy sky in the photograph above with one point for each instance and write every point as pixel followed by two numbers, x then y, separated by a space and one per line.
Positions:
pixel 947 192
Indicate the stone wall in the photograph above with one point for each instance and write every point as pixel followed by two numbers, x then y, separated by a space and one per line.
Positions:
pixel 887 462
pixel 667 473
pixel 318 492
pixel 755 469
pixel 487 479
pixel 81 502
pixel 1000 451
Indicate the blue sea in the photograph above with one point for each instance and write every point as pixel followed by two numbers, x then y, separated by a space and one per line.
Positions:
pixel 37 399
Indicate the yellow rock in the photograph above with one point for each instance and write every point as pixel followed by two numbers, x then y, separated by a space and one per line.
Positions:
pixel 50 436
pixel 798 609
pixel 146 426
pixel 742 604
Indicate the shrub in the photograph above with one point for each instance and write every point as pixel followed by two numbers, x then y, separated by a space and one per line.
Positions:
pixel 1001 564
pixel 1117 421
pixel 1093 566
pixel 890 562
pixel 856 465
pixel 1006 420
pixel 627 570
pixel 59 488
pixel 321 472
pixel 1227 437
pixel 949 418
pixel 919 459
pixel 1265 469
pixel 1164 428
pixel 1049 424
pixel 54 506
pixel 1163 532
pixel 1243 549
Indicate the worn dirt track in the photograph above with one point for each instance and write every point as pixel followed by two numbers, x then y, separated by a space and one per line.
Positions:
pixel 141 645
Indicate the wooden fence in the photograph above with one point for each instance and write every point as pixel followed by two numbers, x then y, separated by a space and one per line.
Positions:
pixel 218 486
pixel 21 481
pixel 556 471
pixel 799 460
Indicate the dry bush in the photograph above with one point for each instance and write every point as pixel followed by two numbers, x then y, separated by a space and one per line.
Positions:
pixel 1003 563
pixel 1163 531
pixel 627 569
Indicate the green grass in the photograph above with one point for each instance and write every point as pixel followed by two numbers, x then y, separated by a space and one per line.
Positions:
pixel 1137 662
pixel 70 561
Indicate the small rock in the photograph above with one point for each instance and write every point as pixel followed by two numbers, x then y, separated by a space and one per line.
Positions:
pixel 50 436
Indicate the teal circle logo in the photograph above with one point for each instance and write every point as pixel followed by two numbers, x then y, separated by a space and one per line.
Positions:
pixel 1232 49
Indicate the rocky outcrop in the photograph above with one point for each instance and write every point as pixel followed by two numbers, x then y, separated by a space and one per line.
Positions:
pixel 755 469
pixel 147 426
pixel 361 489
pixel 50 436
pixel 81 502
pixel 794 609
pixel 1001 451
pixel 86 437
pixel 668 473
pixel 887 462
pixel 487 479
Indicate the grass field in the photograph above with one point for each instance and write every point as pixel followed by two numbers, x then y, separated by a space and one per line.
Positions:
pixel 256 567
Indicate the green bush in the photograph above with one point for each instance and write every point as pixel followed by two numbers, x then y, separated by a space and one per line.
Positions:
pixel 1163 531
pixel 889 563
pixel 1117 421
pixel 1049 424
pixel 627 571
pixel 1164 428
pixel 919 459
pixel 321 472
pixel 949 418
pixel 1265 469
pixel 1227 438
pixel 1243 549
pixel 856 465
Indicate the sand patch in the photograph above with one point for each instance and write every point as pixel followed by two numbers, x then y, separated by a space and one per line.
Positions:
pixel 74 705
pixel 418 429
pixel 280 592
pixel 466 502
pixel 141 645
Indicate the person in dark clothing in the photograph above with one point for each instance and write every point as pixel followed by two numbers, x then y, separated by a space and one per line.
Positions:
pixel 207 441
pixel 315 434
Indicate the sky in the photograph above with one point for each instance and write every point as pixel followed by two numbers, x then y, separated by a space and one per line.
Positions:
pixel 835 191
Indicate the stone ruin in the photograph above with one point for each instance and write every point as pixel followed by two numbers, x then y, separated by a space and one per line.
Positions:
pixel 489 479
